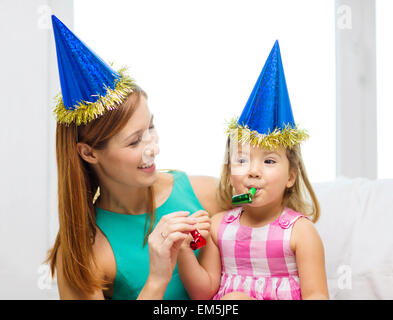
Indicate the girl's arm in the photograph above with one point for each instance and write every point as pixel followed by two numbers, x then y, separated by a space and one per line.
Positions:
pixel 310 260
pixel 201 277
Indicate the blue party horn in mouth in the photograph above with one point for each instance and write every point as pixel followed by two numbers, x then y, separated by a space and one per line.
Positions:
pixel 244 197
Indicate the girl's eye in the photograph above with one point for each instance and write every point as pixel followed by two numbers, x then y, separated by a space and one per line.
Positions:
pixel 152 127
pixel 270 161
pixel 241 160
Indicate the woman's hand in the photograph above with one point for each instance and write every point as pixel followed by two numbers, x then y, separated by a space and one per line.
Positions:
pixel 202 225
pixel 164 244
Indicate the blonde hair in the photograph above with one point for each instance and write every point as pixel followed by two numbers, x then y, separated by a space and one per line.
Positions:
pixel 300 197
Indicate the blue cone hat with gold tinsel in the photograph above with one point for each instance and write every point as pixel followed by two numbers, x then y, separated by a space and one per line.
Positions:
pixel 267 119
pixel 89 86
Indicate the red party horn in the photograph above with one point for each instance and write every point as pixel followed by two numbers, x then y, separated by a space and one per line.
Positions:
pixel 198 241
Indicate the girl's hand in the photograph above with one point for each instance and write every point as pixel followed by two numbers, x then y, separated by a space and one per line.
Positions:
pixel 164 244
pixel 203 227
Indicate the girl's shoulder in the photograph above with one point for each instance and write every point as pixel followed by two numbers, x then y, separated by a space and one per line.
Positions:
pixel 217 218
pixel 289 217
pixel 303 225
pixel 303 231
pixel 215 224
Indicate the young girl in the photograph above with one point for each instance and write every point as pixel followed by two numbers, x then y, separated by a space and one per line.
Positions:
pixel 269 248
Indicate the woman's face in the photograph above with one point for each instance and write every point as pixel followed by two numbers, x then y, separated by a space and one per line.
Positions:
pixel 128 158
pixel 267 171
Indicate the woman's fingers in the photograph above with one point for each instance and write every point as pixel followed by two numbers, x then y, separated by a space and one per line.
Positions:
pixel 180 227
pixel 173 238
pixel 172 222
pixel 199 214
pixel 203 220
pixel 203 226
pixel 168 217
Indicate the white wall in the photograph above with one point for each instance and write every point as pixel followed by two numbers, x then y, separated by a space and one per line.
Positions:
pixel 28 204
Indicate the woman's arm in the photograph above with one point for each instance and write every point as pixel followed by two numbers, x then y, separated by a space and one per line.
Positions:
pixel 164 244
pixel 310 260
pixel 201 278
pixel 66 290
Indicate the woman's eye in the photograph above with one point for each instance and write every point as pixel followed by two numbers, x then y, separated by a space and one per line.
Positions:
pixel 270 161
pixel 135 142
pixel 152 127
pixel 241 160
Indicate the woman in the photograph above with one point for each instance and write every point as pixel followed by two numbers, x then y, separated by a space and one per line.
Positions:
pixel 123 241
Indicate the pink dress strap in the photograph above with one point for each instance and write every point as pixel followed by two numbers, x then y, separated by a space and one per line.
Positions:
pixel 289 217
pixel 232 214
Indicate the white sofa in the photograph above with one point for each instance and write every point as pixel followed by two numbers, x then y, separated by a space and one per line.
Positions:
pixel 356 227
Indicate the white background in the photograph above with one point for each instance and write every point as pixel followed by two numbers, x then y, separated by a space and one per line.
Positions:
pixel 199 60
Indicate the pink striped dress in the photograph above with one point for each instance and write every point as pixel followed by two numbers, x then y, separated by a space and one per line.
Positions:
pixel 258 261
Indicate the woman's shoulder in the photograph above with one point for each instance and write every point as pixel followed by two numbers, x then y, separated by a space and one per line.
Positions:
pixel 201 183
pixel 205 188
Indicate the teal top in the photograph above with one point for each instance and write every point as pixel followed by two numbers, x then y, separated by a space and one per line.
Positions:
pixel 125 234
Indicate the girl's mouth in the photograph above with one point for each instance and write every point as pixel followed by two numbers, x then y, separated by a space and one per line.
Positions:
pixel 257 190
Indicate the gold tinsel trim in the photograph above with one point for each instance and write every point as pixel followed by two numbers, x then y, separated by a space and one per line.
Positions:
pixel 287 137
pixel 87 111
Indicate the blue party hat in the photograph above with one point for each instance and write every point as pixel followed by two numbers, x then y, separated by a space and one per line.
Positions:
pixel 89 86
pixel 267 118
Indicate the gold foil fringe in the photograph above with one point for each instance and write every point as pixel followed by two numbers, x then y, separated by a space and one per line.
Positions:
pixel 87 111
pixel 287 137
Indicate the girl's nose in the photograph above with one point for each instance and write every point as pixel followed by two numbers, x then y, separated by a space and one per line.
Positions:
pixel 254 175
pixel 254 172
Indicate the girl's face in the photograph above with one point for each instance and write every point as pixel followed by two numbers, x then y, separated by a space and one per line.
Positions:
pixel 266 170
pixel 128 158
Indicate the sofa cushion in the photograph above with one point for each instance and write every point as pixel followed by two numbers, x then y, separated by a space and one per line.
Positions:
pixel 356 227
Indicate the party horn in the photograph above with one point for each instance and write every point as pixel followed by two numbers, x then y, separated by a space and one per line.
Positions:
pixel 244 198
pixel 198 241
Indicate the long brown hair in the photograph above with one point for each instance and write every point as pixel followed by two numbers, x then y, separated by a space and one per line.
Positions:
pixel 77 188
pixel 300 197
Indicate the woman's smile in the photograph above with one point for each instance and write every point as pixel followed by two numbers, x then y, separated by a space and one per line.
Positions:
pixel 148 168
